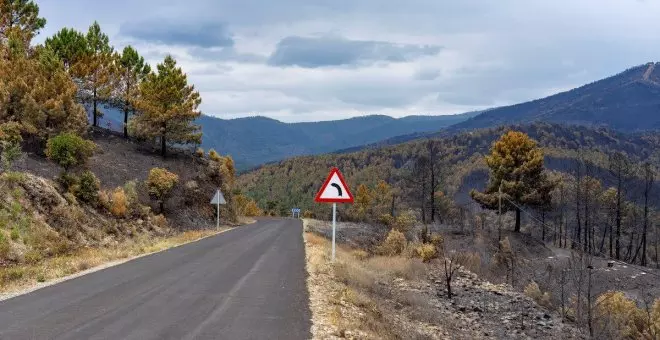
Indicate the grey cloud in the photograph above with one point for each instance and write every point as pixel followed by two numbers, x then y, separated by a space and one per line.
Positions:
pixel 226 54
pixel 201 34
pixel 330 51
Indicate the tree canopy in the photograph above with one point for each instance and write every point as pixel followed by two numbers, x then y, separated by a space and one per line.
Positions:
pixel 132 70
pixel 516 165
pixel 168 106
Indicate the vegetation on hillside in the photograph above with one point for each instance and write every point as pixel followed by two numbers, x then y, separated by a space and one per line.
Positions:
pixel 581 201
pixel 45 91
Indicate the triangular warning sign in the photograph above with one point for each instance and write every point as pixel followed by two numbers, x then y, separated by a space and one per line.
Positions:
pixel 334 190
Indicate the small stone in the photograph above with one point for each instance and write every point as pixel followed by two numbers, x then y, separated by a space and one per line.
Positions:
pixel 477 309
pixel 546 316
pixel 461 309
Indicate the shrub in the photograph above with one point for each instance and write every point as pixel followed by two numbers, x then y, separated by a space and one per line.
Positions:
pixel 533 291
pixel 105 199
pixel 214 156
pixel 160 184
pixel 251 209
pixel 132 200
pixel 386 219
pixel 394 243
pixel 308 214
pixel 360 255
pixel 439 243
pixel 191 192
pixel 160 221
pixel 10 144
pixel 427 252
pixel 15 234
pixel 199 152
pixel 618 314
pixel 69 150
pixel 68 181
pixel 404 222
pixel 88 186
pixel 5 248
pixel 70 198
pixel 118 206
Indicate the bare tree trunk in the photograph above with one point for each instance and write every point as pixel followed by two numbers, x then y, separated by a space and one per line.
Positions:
pixel 543 226
pixel 648 181
pixel 163 142
pixel 517 228
pixel 563 298
pixel 95 110
pixel 126 110
pixel 602 241
pixel 589 304
pixel 432 191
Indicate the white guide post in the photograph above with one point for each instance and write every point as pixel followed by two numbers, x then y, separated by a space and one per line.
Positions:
pixel 334 228
pixel 217 218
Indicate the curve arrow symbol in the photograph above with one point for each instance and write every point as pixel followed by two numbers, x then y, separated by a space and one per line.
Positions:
pixel 338 188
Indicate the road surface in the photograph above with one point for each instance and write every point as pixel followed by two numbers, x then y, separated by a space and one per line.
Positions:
pixel 246 283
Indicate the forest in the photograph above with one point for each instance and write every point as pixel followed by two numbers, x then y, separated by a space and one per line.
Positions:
pixel 603 196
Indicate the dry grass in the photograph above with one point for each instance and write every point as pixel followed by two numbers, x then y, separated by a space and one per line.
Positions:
pixel 347 296
pixel 18 277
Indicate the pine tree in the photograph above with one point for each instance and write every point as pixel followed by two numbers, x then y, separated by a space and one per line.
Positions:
pixel 516 164
pixel 96 70
pixel 167 107
pixel 36 92
pixel 132 70
pixel 20 18
pixel 69 45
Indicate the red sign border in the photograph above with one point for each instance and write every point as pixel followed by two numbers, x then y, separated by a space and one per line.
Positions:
pixel 318 198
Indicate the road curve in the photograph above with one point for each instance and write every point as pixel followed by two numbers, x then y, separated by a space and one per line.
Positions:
pixel 246 283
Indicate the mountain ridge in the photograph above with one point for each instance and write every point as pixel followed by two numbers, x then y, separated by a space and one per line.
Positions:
pixel 606 102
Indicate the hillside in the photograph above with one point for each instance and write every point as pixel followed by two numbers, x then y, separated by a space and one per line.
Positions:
pixel 294 182
pixel 628 101
pixel 117 161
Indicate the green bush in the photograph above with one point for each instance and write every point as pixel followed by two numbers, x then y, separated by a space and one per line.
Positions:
pixel 87 189
pixel 5 248
pixel 130 189
pixel 68 181
pixel 15 234
pixel 69 150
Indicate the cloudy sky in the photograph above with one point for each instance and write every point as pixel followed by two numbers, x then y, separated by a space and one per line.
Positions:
pixel 303 60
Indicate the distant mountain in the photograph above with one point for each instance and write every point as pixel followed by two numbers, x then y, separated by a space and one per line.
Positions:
pixel 257 140
pixel 628 101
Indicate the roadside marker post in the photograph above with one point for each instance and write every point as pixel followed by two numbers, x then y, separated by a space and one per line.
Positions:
pixel 217 200
pixel 334 190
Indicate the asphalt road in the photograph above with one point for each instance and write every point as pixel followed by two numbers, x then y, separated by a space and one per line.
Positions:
pixel 246 283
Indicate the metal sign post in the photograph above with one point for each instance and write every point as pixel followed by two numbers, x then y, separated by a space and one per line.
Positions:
pixel 334 191
pixel 334 228
pixel 217 200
